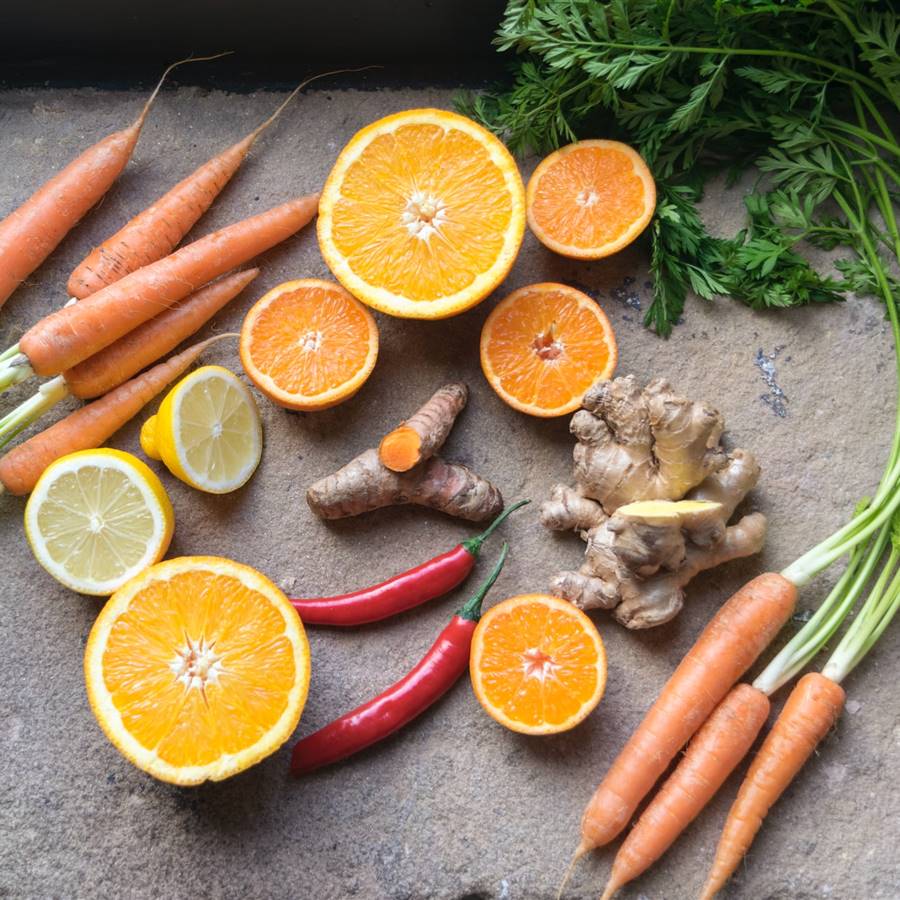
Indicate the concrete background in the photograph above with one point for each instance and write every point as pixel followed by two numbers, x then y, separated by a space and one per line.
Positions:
pixel 454 807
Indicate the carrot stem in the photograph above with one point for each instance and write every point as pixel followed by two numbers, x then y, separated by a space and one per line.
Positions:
pixel 812 637
pixel 14 371
pixel 9 353
pixel 25 414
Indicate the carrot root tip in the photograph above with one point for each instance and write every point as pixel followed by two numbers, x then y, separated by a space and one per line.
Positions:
pixel 579 852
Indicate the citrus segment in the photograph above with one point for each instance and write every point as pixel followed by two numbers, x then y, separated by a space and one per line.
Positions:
pixel 207 431
pixel 538 664
pixel 96 518
pixel 309 344
pixel 422 215
pixel 590 199
pixel 197 669
pixel 544 345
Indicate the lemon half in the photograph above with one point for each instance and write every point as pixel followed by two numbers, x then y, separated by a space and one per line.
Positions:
pixel 97 518
pixel 207 431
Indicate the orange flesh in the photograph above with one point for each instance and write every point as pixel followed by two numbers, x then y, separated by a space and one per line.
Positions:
pixel 311 340
pixel 538 665
pixel 589 197
pixel 422 212
pixel 234 631
pixel 548 347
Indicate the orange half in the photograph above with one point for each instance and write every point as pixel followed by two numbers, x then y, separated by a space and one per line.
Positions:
pixel 538 664
pixel 308 344
pixel 589 200
pixel 197 668
pixel 422 214
pixel 544 345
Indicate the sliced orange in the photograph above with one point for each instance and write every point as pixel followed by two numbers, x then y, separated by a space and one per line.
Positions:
pixel 308 344
pixel 590 199
pixel 197 668
pixel 422 214
pixel 544 345
pixel 538 664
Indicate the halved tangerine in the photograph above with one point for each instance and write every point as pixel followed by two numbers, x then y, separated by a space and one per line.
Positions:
pixel 538 664
pixel 544 345
pixel 308 344
pixel 422 214
pixel 590 199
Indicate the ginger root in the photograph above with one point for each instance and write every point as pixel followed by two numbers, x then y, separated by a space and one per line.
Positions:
pixel 366 483
pixel 654 493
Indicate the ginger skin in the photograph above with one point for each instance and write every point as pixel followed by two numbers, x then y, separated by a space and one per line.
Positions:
pixel 366 483
pixel 645 445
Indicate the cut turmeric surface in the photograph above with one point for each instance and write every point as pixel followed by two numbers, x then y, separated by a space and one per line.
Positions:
pixel 653 495
pixel 417 439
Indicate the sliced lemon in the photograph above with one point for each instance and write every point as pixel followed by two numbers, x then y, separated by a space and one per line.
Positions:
pixel 207 431
pixel 97 518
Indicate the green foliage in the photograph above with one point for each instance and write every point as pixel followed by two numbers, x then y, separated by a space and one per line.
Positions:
pixel 794 89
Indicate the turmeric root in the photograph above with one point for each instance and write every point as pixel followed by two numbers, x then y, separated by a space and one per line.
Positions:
pixel 367 483
pixel 419 437
pixel 638 454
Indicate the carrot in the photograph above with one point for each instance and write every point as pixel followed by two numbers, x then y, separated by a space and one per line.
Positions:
pixel 72 334
pixel 155 232
pixel 809 714
pixel 154 339
pixel 720 744
pixel 29 234
pixel 91 425
pixel 728 646
pixel 127 356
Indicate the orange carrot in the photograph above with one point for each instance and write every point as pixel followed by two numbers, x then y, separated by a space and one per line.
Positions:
pixel 72 334
pixel 809 714
pixel 29 234
pixel 719 745
pixel 155 232
pixel 91 425
pixel 154 339
pixel 728 646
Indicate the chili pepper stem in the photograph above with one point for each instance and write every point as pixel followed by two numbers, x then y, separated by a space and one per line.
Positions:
pixel 473 545
pixel 472 610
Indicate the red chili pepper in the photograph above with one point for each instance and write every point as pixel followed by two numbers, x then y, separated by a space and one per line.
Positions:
pixel 432 677
pixel 403 591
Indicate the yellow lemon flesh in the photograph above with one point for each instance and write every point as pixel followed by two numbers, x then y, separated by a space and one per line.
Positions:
pixel 207 431
pixel 97 518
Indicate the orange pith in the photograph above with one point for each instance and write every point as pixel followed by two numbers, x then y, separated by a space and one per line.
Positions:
pixel 422 215
pixel 308 344
pixel 590 199
pixel 197 669
pixel 538 664
pixel 544 345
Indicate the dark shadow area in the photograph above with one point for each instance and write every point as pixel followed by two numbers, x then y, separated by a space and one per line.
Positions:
pixel 92 42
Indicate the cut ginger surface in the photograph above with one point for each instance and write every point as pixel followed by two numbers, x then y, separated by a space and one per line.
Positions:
pixel 197 669
pixel 544 345
pixel 308 344
pixel 590 199
pixel 538 664
pixel 422 214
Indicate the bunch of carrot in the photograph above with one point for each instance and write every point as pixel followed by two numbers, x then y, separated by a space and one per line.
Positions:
pixel 701 704
pixel 136 298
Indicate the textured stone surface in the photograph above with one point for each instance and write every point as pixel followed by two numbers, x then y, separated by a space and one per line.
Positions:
pixel 454 807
